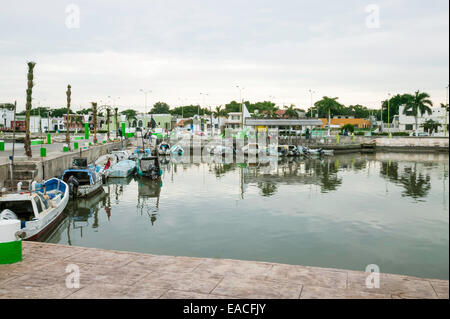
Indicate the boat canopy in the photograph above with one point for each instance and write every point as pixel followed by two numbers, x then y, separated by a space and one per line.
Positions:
pixel 84 176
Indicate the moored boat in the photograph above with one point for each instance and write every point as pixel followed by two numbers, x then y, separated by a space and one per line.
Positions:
pixel 83 180
pixel 39 209
pixel 121 155
pixel 122 169
pixel 149 166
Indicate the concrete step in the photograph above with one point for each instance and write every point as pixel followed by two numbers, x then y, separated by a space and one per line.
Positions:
pixel 24 174
pixel 24 166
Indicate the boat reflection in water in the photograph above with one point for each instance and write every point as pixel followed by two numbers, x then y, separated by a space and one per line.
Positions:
pixel 148 197
pixel 80 214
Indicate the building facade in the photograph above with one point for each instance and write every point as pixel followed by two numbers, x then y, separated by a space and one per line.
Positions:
pixel 407 122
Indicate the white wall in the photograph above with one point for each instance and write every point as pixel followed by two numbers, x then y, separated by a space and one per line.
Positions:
pixel 438 115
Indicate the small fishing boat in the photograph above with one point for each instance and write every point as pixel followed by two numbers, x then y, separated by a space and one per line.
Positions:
pixel 164 149
pixel 122 169
pixel 83 180
pixel 177 150
pixel 38 209
pixel 101 162
pixel 149 166
pixel 317 151
pixel 140 152
pixel 122 155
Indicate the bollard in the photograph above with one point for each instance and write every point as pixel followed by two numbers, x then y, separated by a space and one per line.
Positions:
pixel 49 138
pixel 65 148
pixel 10 245
pixel 2 146
pixel 75 145
pixel 390 135
pixel 43 152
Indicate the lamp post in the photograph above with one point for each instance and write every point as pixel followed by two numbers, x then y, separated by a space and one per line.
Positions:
pixel 389 119
pixel 145 106
pixel 241 102
pixel 311 92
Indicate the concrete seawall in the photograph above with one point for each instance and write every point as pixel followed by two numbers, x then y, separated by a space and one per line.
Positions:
pixel 56 163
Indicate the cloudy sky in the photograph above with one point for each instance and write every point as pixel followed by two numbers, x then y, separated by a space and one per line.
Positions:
pixel 179 49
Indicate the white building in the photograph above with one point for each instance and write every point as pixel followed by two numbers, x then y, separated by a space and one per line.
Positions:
pixel 407 122
pixel 6 117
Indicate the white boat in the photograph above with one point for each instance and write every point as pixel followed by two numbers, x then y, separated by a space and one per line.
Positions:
pixel 88 181
pixel 122 169
pixel 121 155
pixel 316 151
pixel 164 149
pixel 101 162
pixel 39 209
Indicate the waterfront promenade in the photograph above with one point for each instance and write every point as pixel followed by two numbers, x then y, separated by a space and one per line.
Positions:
pixel 113 274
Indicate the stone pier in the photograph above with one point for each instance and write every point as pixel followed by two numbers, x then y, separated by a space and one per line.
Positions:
pixel 106 274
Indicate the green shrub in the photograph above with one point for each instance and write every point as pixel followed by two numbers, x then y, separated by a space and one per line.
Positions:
pixel 349 128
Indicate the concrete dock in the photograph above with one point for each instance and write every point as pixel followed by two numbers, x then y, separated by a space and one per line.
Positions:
pixel 105 274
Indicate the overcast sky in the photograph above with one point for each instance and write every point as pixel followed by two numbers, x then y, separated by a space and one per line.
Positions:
pixel 179 49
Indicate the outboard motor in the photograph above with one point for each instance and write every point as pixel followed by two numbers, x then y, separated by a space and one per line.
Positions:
pixel 73 186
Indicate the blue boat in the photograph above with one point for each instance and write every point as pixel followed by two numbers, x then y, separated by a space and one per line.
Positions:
pixel 88 181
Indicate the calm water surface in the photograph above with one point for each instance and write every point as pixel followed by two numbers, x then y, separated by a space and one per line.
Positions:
pixel 347 211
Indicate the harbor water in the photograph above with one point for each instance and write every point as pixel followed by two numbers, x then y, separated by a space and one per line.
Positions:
pixel 344 211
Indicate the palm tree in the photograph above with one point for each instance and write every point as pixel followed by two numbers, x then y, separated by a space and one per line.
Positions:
pixel 68 93
pixel 94 120
pixel 27 143
pixel 419 102
pixel 431 126
pixel 78 122
pixel 291 112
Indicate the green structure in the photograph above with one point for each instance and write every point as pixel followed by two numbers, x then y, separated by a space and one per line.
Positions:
pixel 123 125
pixel 49 138
pixel 86 131
pixel 2 146
pixel 43 152
pixel 10 252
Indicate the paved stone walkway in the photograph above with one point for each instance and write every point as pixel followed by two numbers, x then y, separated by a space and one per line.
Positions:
pixel 113 274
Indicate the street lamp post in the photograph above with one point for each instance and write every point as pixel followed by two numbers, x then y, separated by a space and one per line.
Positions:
pixel 389 119
pixel 145 107
pixel 241 102
pixel 311 92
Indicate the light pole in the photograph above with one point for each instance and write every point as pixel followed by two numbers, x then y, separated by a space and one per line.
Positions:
pixel 389 119
pixel 312 92
pixel 145 107
pixel 241 102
